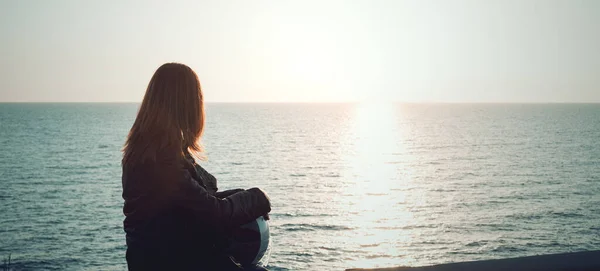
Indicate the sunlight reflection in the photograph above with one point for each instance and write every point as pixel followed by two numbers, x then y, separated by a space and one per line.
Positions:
pixel 376 183
pixel 374 141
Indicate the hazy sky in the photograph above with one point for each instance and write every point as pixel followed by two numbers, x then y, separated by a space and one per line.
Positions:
pixel 304 51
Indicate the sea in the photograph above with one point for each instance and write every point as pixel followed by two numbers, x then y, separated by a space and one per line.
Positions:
pixel 351 185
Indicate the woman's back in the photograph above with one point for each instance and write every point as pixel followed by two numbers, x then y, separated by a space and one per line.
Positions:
pixel 174 217
pixel 158 233
pixel 168 226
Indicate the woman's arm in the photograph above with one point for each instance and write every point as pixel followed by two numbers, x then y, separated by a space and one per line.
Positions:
pixel 227 193
pixel 211 183
pixel 237 207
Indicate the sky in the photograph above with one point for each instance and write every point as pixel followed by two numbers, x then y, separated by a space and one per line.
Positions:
pixel 304 51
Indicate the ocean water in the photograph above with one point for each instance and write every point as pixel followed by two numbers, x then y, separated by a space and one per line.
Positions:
pixel 352 185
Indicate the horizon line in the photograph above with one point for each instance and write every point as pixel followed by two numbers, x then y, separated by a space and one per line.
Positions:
pixel 307 102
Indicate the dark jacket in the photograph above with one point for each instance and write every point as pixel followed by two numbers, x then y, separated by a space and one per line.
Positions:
pixel 176 220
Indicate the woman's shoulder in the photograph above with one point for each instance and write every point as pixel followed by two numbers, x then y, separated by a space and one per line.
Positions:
pixel 144 167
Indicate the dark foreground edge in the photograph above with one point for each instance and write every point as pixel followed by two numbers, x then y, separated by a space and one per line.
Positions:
pixel 575 261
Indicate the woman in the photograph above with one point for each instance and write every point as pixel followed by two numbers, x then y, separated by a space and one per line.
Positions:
pixel 174 217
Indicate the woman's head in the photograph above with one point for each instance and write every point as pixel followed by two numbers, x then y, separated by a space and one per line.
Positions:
pixel 170 119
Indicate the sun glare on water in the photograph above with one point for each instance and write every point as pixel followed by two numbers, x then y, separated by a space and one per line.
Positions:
pixel 374 140
pixel 377 182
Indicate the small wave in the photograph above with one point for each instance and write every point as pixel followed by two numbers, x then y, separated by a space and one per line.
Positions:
pixel 443 190
pixel 298 215
pixel 103 146
pixel 93 166
pixel 497 201
pixel 276 268
pixel 492 225
pixel 296 254
pixel 462 252
pixel 567 215
pixel 377 194
pixel 310 227
pixel 297 175
pixel 60 167
pixel 394 162
pixel 410 227
pixel 314 167
pixel 378 256
pixel 507 248
pixel 525 216
pixel 593 180
pixel 18 263
pixel 476 244
pixel 330 175
pixel 78 172
pixel 370 245
pixel 584 193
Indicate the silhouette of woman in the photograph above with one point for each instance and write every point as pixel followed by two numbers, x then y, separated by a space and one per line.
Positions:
pixel 174 217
